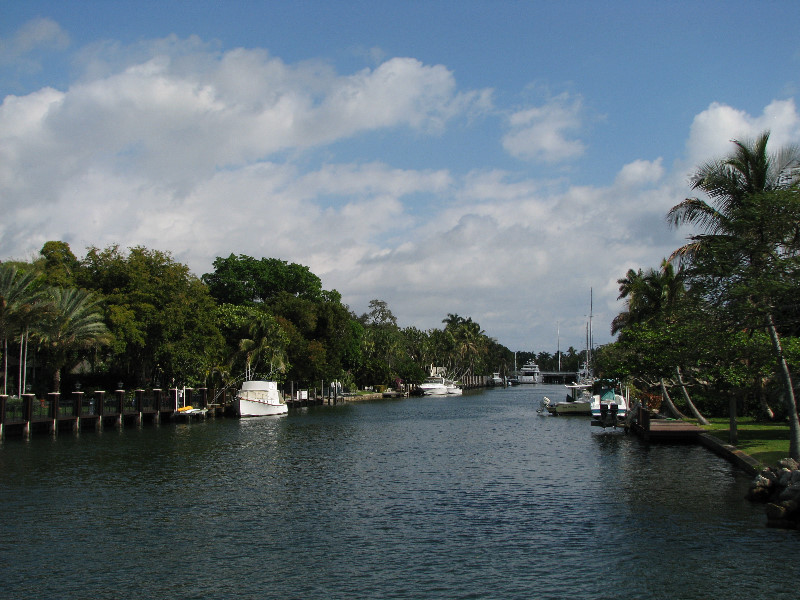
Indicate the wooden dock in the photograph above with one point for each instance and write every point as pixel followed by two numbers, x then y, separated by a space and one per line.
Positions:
pixel 659 429
pixel 97 410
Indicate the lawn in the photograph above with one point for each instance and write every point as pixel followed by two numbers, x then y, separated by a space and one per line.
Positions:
pixel 765 442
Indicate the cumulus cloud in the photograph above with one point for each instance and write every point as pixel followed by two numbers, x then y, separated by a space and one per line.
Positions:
pixel 713 129
pixel 542 133
pixel 176 145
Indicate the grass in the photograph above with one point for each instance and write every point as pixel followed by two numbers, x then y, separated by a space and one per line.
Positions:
pixel 765 442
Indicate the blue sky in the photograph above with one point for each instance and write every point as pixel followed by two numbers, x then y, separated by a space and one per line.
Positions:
pixel 492 159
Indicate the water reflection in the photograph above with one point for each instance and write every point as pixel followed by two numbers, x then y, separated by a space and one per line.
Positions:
pixel 471 497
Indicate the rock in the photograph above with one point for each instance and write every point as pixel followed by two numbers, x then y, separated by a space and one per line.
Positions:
pixel 762 481
pixel 784 476
pixel 790 492
pixel 788 463
pixel 759 494
pixel 775 512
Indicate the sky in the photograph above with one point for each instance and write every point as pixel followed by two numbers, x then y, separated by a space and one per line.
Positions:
pixel 506 161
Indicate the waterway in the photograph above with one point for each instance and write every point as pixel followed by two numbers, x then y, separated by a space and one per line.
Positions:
pixel 478 496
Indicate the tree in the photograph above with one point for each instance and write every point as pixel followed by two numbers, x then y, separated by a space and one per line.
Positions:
pixel 162 316
pixel 75 325
pixel 19 297
pixel 743 252
pixel 245 280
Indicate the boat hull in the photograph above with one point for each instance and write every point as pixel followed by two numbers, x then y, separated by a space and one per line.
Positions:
pixel 570 408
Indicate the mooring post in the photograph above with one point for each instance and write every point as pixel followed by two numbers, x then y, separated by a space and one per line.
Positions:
pixel 3 404
pixel 139 399
pixel 120 406
pixel 27 412
pixel 77 409
pixel 54 398
pixel 100 399
pixel 157 404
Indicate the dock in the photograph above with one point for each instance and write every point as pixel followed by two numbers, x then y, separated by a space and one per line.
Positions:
pixel 97 410
pixel 660 429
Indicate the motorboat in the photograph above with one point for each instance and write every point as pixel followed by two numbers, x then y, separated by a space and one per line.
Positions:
pixel 453 389
pixel 609 409
pixel 578 401
pixel 258 399
pixel 495 379
pixel 530 373
pixel 433 386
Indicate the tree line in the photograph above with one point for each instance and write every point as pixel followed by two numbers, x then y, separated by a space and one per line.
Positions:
pixel 136 318
pixel 717 324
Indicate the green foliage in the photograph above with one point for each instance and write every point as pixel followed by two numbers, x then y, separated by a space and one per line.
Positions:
pixel 162 317
pixel 243 279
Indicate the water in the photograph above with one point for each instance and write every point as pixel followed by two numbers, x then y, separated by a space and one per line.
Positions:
pixel 471 497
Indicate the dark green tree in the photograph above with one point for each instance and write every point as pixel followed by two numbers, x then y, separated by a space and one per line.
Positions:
pixel 745 250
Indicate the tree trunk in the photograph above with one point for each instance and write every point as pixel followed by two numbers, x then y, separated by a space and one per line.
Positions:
pixel 692 407
pixel 733 431
pixel 675 412
pixel 762 399
pixel 791 405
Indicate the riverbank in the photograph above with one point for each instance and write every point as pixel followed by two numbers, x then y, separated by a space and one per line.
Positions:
pixel 765 443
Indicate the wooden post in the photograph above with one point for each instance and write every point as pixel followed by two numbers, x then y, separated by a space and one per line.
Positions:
pixel 100 399
pixel 157 404
pixel 54 397
pixel 120 406
pixel 138 399
pixel 3 404
pixel 27 412
pixel 77 409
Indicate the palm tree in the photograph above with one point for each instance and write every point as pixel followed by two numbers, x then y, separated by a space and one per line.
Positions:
pixel 266 343
pixel 75 325
pixel 650 294
pixel 20 300
pixel 739 235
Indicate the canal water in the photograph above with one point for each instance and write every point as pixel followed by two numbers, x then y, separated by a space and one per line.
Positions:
pixel 478 496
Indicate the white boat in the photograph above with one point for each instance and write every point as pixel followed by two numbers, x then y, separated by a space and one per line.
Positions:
pixel 453 389
pixel 258 399
pixel 609 409
pixel 433 386
pixel 578 401
pixel 495 379
pixel 530 373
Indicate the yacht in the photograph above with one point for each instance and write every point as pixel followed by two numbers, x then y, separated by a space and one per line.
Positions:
pixel 433 386
pixel 258 399
pixel 530 373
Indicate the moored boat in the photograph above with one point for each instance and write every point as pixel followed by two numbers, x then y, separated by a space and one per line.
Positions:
pixel 258 399
pixel 433 386
pixel 578 401
pixel 530 373
pixel 609 409
pixel 453 389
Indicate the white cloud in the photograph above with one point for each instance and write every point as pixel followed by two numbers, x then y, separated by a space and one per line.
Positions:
pixel 541 133
pixel 36 34
pixel 177 146
pixel 713 129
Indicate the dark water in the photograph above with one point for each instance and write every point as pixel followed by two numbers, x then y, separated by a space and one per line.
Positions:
pixel 471 497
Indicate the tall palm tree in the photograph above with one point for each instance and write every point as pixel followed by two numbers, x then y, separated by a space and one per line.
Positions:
pixel 75 325
pixel 20 299
pixel 738 234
